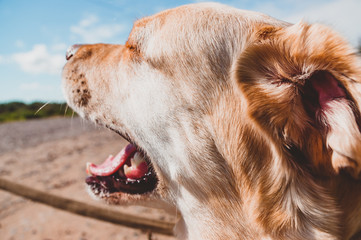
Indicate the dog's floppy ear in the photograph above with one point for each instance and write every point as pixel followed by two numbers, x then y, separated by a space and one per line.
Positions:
pixel 300 80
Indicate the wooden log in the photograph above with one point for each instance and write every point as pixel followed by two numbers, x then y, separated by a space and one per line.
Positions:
pixel 88 210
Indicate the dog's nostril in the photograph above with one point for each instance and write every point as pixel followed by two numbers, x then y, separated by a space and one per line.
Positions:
pixel 72 50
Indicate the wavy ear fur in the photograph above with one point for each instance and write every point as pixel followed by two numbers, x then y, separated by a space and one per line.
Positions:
pixel 303 87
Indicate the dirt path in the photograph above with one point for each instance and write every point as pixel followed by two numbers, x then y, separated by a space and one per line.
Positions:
pixel 50 155
pixel 34 132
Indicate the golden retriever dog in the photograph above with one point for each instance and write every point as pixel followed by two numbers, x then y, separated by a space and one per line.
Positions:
pixel 248 126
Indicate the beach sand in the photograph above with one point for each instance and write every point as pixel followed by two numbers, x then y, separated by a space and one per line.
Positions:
pixel 50 155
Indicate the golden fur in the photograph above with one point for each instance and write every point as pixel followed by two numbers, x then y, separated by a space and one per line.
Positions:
pixel 229 121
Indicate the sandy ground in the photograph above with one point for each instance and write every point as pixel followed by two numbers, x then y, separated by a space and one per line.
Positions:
pixel 50 155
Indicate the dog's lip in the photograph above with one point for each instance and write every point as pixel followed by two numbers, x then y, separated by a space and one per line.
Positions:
pixel 115 183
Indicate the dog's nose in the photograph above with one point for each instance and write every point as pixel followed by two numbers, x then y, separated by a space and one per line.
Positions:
pixel 72 50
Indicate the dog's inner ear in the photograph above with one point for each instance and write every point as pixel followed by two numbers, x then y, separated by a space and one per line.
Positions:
pixel 321 88
pixel 336 116
pixel 295 86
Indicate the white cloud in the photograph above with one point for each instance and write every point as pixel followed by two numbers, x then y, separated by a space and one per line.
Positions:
pixel 90 31
pixel 90 20
pixel 39 60
pixel 342 15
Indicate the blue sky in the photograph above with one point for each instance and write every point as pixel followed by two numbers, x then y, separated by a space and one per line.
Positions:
pixel 34 35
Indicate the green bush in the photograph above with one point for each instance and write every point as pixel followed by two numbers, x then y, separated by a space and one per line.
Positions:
pixel 18 111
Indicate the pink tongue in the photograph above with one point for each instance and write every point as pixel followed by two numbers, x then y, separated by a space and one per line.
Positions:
pixel 111 164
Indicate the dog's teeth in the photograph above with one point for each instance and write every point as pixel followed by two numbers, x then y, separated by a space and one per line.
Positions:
pixel 127 169
pixel 88 168
pixel 136 160
pixel 137 166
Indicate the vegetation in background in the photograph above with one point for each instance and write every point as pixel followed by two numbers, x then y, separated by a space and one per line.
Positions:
pixel 17 111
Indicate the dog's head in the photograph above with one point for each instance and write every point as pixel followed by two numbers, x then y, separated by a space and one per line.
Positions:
pixel 233 115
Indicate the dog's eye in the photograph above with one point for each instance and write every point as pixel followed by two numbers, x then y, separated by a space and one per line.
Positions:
pixel 131 46
pixel 133 51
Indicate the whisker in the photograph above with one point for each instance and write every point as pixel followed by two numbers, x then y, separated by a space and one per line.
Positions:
pixel 71 120
pixel 41 107
pixel 83 123
pixel 61 107
pixel 66 109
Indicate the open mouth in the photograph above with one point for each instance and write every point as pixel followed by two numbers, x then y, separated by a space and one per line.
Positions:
pixel 130 171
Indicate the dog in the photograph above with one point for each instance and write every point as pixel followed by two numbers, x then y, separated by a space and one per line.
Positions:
pixel 248 126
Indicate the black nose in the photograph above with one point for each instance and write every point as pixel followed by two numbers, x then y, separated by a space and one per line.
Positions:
pixel 72 50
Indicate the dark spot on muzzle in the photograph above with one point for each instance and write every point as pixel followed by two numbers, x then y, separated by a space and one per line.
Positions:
pixel 84 99
pixel 81 92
